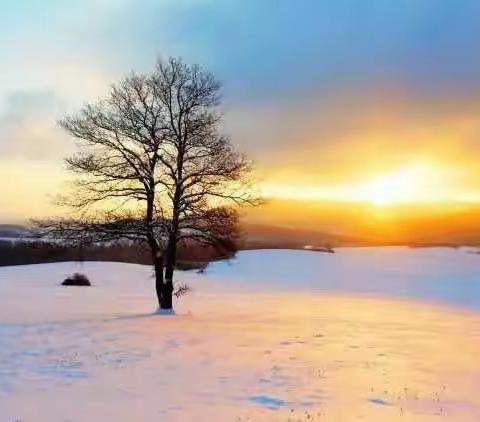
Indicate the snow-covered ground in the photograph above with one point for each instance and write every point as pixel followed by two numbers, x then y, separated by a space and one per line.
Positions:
pixel 444 275
pixel 381 334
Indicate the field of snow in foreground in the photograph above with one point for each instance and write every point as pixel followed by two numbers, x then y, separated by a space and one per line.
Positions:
pixel 270 336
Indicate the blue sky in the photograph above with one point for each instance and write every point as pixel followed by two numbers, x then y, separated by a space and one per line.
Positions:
pixel 296 73
pixel 259 48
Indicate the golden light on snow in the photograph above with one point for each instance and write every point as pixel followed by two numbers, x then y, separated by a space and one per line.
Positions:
pixel 237 351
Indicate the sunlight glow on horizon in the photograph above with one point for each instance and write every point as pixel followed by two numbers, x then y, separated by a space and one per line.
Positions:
pixel 419 182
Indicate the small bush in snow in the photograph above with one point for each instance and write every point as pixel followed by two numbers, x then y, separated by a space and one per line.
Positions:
pixel 182 290
pixel 76 279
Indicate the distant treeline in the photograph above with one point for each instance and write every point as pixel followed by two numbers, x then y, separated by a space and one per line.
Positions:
pixel 21 253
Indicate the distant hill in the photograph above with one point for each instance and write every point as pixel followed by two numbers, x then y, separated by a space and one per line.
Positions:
pixel 288 223
pixel 13 231
pixel 260 236
pixel 296 224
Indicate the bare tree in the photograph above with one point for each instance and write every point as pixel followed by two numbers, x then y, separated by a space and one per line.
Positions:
pixel 204 176
pixel 116 171
pixel 154 168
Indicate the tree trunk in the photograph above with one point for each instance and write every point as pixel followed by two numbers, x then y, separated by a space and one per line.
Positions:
pixel 163 289
pixel 159 282
pixel 167 293
pixel 171 259
pixel 169 270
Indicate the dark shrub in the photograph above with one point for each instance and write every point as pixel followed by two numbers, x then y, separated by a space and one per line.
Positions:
pixel 190 265
pixel 76 279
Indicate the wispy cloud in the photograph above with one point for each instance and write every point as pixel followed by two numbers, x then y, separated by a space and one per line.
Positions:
pixel 28 128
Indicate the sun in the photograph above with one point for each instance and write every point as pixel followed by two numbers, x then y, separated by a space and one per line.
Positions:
pixel 420 181
pixel 398 186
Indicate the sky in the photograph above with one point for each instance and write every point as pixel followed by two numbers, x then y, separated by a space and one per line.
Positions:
pixel 337 100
